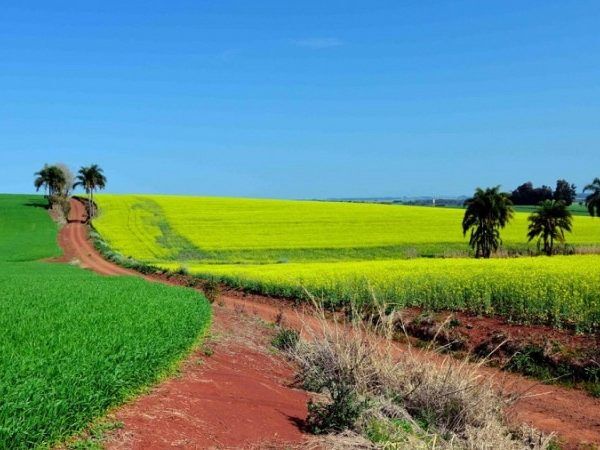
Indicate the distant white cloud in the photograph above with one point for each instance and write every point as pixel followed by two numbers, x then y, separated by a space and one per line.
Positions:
pixel 318 43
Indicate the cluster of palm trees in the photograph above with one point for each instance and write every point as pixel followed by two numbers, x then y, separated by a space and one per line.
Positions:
pixel 54 181
pixel 490 210
pixel 57 182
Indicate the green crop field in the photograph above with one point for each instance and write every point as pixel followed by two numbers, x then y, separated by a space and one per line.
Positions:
pixel 344 251
pixel 576 209
pixel 72 343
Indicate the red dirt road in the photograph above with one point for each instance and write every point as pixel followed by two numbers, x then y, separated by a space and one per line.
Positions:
pixel 237 398
pixel 77 248
pixel 220 403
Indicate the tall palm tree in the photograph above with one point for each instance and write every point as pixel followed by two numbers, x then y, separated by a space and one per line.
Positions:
pixel 91 178
pixel 592 201
pixel 52 178
pixel 548 224
pixel 487 212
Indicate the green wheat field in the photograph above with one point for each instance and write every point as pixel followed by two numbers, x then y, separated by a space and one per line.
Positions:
pixel 73 343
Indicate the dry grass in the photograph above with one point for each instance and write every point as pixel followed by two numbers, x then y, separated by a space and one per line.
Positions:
pixel 376 397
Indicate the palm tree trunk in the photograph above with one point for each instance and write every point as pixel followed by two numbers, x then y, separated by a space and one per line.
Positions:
pixel 91 204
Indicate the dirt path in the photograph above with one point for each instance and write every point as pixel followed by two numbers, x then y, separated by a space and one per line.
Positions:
pixel 73 239
pixel 572 414
pixel 238 397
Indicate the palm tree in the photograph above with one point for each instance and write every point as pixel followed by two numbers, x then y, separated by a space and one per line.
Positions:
pixel 487 212
pixel 52 178
pixel 548 223
pixel 90 178
pixel 42 179
pixel 592 201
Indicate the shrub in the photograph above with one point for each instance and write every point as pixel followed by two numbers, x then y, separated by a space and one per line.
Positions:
pixel 286 339
pixel 338 415
pixel 211 290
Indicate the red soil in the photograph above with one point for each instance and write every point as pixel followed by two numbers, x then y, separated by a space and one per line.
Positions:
pixel 73 239
pixel 238 397
pixel 571 414
pixel 221 403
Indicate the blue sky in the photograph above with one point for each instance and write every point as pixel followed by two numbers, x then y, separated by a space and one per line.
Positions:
pixel 308 99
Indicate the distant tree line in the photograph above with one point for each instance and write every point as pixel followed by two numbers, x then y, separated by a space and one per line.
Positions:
pixel 490 210
pixel 527 194
pixel 58 182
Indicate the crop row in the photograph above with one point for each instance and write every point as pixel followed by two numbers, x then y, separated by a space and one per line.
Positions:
pixel 560 291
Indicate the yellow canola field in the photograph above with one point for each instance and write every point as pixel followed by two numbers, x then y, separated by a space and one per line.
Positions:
pixel 348 252
pixel 247 230
pixel 562 290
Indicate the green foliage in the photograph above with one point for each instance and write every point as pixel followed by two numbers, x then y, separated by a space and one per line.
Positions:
pixel 286 339
pixel 52 179
pixel 593 383
pixel 592 201
pixel 90 178
pixel 487 212
pixel 530 361
pixel 593 389
pixel 527 194
pixel 565 192
pixel 211 289
pixel 73 343
pixel 388 431
pixel 338 415
pixel 548 224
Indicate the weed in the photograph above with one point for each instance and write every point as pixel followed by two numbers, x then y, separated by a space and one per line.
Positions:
pixel 286 339
pixel 92 439
pixel 211 290
pixel 340 414
pixel 593 388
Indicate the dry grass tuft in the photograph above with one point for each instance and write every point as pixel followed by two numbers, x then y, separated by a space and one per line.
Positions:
pixel 376 396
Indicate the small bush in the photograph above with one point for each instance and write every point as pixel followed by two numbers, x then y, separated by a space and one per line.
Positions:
pixel 338 415
pixel 286 339
pixel 211 290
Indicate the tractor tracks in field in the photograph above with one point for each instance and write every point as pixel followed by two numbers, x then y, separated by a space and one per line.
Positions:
pixel 241 396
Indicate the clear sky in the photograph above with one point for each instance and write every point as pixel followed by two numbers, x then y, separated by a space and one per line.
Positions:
pixel 301 99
